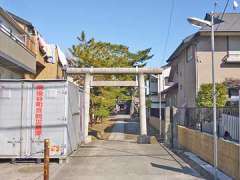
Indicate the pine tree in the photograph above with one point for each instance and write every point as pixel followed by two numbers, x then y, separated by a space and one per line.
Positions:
pixel 92 53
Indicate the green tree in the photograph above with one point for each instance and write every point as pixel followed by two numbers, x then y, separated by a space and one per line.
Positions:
pixel 205 98
pixel 92 53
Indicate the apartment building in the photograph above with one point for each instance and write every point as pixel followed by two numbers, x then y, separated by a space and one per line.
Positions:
pixel 16 56
pixel 50 60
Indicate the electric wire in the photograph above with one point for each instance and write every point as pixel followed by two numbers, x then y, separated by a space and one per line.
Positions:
pixel 222 15
pixel 168 29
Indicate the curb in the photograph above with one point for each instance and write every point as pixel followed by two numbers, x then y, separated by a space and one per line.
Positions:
pixel 205 174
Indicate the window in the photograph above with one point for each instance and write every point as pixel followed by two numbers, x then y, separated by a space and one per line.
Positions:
pixel 189 53
pixel 166 81
pixel 154 80
pixel 174 100
pixel 232 92
pixel 233 49
pixel 180 87
pixel 233 45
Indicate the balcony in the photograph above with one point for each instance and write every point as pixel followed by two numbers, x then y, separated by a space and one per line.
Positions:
pixel 17 53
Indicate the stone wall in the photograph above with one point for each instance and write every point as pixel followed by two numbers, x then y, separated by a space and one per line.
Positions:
pixel 154 122
pixel 201 144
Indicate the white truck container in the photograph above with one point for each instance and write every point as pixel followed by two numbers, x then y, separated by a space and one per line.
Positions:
pixel 31 111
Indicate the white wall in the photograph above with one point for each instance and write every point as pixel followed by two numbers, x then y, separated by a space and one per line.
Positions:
pixel 154 81
pixel 154 85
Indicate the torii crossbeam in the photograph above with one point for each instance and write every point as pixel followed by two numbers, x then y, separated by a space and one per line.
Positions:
pixel 88 72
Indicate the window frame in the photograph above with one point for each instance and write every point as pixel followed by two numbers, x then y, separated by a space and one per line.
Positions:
pixel 166 80
pixel 189 58
pixel 229 49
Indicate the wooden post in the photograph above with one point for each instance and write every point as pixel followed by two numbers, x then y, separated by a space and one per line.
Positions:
pixel 46 159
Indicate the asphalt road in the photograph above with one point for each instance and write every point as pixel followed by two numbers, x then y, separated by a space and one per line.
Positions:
pixel 121 158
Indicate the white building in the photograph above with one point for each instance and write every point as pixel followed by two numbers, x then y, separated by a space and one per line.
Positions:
pixel 155 84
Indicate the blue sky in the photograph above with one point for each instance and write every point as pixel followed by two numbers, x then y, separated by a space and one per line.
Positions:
pixel 139 24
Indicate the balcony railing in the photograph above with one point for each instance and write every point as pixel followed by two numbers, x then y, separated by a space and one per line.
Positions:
pixel 17 52
pixel 23 40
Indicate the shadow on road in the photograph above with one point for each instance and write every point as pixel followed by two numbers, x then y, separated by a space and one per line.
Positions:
pixel 184 170
pixel 124 153
pixel 130 127
pixel 122 119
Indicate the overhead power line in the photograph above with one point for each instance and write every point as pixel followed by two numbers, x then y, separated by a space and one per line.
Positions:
pixel 224 11
pixel 168 28
pixel 225 8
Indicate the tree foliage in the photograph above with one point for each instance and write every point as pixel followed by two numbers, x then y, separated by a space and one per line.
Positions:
pixel 92 53
pixel 205 98
pixel 104 54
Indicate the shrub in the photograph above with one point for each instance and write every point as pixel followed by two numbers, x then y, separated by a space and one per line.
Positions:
pixel 205 98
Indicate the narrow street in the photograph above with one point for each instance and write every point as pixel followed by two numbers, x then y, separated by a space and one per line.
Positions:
pixel 120 157
pixel 119 90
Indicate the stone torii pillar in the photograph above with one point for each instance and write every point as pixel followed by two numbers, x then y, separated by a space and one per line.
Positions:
pixel 87 84
pixel 143 123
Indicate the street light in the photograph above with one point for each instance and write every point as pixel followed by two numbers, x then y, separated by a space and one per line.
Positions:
pixel 160 103
pixel 200 23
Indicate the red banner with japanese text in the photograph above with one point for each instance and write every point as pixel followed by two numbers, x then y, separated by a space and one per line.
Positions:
pixel 39 109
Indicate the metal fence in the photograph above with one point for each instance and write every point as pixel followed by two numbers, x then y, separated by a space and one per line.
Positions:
pixel 202 119
pixel 155 112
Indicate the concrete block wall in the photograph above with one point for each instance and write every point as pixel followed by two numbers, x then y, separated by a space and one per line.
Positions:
pixel 166 126
pixel 201 144
pixel 154 122
pixel 228 158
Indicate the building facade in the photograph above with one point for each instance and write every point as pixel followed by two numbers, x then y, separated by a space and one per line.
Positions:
pixel 16 56
pixel 191 61
pixel 24 54
pixel 160 82
pixel 50 60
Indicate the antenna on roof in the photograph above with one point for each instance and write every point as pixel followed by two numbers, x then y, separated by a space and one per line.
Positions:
pixel 235 5
pixel 215 6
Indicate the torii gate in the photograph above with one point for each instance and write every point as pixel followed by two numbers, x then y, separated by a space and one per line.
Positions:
pixel 88 72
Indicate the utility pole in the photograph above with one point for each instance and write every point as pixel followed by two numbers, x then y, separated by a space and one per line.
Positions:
pixel 214 99
pixel 160 105
pixel 201 23
pixel 239 129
